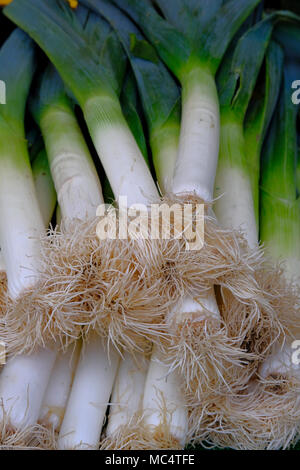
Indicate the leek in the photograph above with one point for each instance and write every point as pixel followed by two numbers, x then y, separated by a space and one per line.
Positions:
pixel 93 82
pixel 280 231
pixel 279 197
pixel 257 419
pixel 79 194
pixel 23 379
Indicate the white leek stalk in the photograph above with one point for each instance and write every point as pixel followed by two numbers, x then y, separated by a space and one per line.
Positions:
pixel 127 397
pixel 79 194
pixel 17 411
pixel 58 390
pixel 163 404
pixel 199 137
pixel 73 172
pixel 24 379
pixel 87 404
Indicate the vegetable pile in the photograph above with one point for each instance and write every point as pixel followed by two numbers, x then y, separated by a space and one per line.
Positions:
pixel 136 111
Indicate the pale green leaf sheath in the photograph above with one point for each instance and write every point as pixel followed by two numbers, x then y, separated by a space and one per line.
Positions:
pixel 44 186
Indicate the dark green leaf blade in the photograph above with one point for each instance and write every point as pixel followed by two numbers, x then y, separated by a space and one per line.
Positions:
pixel 189 16
pixel 172 46
pixel 236 91
pixel 260 112
pixel 17 67
pixel 61 36
pixel 220 31
pixel 129 101
pixel 158 90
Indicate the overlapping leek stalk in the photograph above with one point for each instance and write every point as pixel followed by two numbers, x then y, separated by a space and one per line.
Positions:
pixel 79 194
pixel 23 379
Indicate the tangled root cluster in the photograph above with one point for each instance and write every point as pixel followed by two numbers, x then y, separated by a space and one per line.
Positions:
pixel 265 416
pixel 218 349
pixel 85 285
pixel 124 289
pixel 138 435
pixel 35 437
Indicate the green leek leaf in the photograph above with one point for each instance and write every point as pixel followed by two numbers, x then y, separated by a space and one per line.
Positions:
pixel 130 105
pixel 214 32
pixel 260 112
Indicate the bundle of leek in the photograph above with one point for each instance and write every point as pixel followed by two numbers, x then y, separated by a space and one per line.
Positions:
pixel 163 279
pixel 128 308
pixel 159 402
pixel 79 193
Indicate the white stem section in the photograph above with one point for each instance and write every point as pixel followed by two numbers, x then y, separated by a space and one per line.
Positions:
pixel 21 226
pixel 23 383
pixel 24 379
pixel 2 262
pixel 58 390
pixel 292 270
pixel 199 137
pixel 128 392
pixel 75 177
pixel 285 361
pixel 163 402
pixel 89 398
pixel 120 155
pixel 234 208
pixel 194 309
